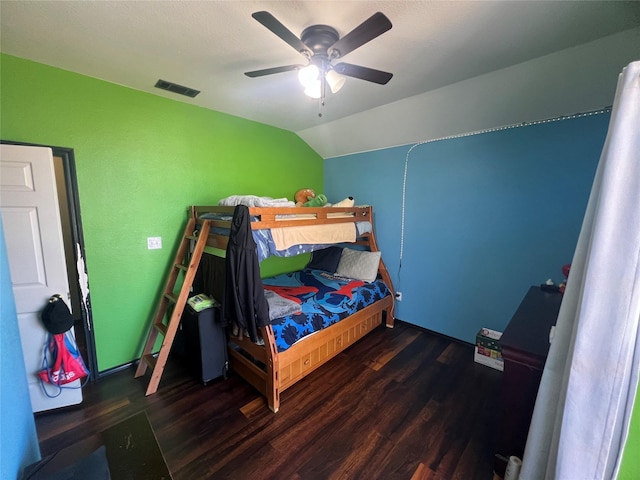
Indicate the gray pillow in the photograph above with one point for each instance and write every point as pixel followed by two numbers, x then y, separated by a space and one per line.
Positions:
pixel 359 264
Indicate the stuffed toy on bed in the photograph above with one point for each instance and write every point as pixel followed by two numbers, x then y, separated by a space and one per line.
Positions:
pixel 308 198
pixel 304 195
pixel 317 201
pixel 347 202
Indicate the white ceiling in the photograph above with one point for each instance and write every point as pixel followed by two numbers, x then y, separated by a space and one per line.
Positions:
pixel 208 45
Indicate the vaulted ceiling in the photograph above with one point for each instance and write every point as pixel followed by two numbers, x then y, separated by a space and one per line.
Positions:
pixel 208 45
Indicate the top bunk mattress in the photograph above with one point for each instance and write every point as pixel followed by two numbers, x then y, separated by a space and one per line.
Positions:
pixel 285 242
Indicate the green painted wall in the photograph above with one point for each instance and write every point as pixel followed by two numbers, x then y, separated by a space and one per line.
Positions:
pixel 141 161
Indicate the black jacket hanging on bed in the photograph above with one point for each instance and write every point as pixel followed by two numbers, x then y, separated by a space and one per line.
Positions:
pixel 245 302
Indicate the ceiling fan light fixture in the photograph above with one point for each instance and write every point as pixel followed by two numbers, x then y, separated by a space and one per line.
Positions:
pixel 309 75
pixel 314 90
pixel 335 80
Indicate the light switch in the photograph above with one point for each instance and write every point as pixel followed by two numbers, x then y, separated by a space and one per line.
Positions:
pixel 154 243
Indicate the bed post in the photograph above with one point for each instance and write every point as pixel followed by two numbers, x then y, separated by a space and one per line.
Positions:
pixel 384 273
pixel 273 369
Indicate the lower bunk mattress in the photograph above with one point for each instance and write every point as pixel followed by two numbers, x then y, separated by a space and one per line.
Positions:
pixel 323 298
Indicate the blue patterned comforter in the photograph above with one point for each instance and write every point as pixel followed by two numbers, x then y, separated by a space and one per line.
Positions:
pixel 324 299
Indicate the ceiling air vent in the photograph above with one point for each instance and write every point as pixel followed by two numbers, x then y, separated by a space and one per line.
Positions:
pixel 175 88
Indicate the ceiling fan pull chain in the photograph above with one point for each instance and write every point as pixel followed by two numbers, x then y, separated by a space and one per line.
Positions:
pixel 323 90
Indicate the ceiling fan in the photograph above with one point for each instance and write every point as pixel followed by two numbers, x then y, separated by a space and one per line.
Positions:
pixel 320 45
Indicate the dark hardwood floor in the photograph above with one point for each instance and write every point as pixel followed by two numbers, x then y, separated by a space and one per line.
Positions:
pixel 403 403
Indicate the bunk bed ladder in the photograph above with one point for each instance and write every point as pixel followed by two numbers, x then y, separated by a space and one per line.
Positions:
pixel 169 312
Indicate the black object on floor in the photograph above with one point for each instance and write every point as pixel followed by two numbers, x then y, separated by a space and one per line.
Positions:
pixel 133 451
pixel 203 342
pixel 126 451
pixel 91 467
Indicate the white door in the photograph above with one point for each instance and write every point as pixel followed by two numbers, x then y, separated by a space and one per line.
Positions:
pixel 33 235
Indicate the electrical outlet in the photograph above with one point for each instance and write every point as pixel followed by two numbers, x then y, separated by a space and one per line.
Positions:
pixel 399 296
pixel 154 243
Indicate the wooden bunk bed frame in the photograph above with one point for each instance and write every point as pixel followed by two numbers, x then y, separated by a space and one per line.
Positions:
pixel 269 371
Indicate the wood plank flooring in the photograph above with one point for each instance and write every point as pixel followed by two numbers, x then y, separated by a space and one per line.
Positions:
pixel 403 403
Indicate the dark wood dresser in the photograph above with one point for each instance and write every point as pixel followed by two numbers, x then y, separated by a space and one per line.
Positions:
pixel 525 345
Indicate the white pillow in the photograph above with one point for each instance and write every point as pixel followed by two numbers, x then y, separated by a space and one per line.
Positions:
pixel 359 264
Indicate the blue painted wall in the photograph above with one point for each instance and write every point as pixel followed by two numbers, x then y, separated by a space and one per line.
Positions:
pixel 19 446
pixel 486 216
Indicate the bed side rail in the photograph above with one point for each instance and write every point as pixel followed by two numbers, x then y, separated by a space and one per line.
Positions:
pixel 274 217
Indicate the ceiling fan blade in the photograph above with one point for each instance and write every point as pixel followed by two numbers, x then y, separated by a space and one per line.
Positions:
pixel 372 27
pixel 363 73
pixel 271 71
pixel 273 24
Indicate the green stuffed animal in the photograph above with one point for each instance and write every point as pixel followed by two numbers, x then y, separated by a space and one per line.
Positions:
pixel 317 201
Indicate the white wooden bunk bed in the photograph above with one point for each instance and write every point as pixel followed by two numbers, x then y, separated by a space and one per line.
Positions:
pixel 268 367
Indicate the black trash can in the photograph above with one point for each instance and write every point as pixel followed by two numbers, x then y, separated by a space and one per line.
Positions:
pixel 202 342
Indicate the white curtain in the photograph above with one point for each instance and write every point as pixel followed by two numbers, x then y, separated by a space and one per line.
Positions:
pixel 584 404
